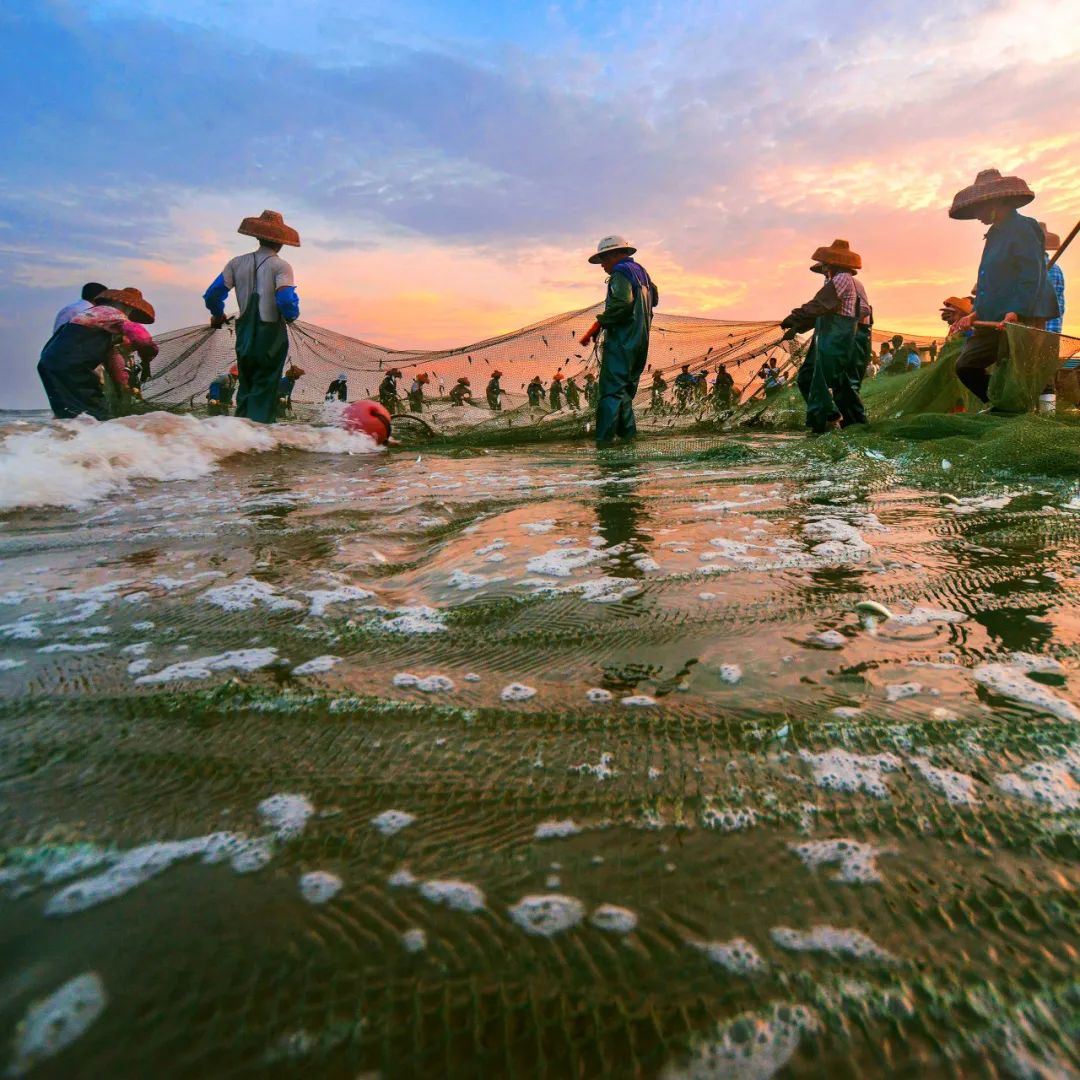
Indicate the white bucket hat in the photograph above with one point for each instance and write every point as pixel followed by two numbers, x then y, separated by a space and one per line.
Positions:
pixel 609 245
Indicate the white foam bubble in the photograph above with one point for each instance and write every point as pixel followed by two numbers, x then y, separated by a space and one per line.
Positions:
pixel 603 770
pixel 828 639
pixel 857 861
pixel 924 616
pixel 614 919
pixel 751 1046
pixel 730 673
pixel 549 830
pixel 957 787
pixel 430 684
pixel 1052 784
pixel 457 895
pixel 598 696
pixel 318 886
pixel 536 528
pixel 247 593
pixel 202 668
pixel 415 620
pixel 899 691
pixel 638 701
pixel 390 822
pixel 402 879
pixel 55 1022
pixel 548 914
pixel 414 940
pixel 517 692
pixel 1010 680
pixel 323 599
pixel 65 646
pixel 318 665
pixel 727 819
pixel 562 562
pixel 832 940
pixel 286 814
pixel 737 955
pixel 77 462
pixel 839 770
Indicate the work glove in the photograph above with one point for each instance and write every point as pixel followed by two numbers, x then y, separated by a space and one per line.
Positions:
pixel 144 371
pixel 789 334
pixel 218 321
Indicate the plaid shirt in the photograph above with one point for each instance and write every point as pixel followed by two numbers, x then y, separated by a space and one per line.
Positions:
pixel 1057 280
pixel 848 289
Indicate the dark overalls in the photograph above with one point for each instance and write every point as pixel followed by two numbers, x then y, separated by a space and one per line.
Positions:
pixel 261 351
pixel 68 370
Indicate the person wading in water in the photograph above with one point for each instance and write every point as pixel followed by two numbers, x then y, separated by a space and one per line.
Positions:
pixel 266 295
pixel 841 317
pixel 626 321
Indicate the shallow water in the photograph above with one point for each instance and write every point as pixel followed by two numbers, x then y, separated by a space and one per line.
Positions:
pixel 736 826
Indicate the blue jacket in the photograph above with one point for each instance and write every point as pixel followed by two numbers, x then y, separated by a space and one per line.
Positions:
pixel 1012 273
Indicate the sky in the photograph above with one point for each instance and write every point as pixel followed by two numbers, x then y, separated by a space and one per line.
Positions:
pixel 450 164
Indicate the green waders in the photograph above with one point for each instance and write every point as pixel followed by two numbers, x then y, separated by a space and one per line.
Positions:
pixel 832 373
pixel 261 351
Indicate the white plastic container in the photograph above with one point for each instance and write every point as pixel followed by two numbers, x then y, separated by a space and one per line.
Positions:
pixel 1047 403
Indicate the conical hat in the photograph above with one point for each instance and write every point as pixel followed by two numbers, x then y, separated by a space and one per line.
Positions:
pixel 838 253
pixel 1051 239
pixel 269 225
pixel 141 309
pixel 990 186
pixel 959 303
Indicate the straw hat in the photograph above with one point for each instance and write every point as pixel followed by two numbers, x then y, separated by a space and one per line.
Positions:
pixel 269 225
pixel 234 370
pixel 395 372
pixel 609 246
pixel 141 309
pixel 990 186
pixel 464 381
pixel 496 374
pixel 838 253
pixel 558 376
pixel 423 377
pixel 817 268
pixel 1051 240
pixel 962 304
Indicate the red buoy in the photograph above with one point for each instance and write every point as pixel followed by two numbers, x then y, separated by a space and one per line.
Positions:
pixel 369 417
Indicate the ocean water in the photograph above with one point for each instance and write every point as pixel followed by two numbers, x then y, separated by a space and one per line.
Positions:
pixel 704 759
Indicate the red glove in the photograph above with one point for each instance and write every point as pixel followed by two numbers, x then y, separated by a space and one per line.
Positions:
pixel 218 321
pixel 591 333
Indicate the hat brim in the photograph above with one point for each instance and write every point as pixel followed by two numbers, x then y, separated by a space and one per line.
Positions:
pixel 274 234
pixel 142 311
pixel 968 211
pixel 595 259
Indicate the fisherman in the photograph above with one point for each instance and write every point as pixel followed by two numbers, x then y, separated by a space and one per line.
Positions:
pixel 954 308
pixel 388 395
pixel 912 359
pixel 657 391
pixel 592 390
pixel 555 391
pixel 91 339
pixel 701 386
pixel 460 393
pixel 535 390
pixel 885 356
pixel 1067 380
pixel 266 295
pixel 573 394
pixel 931 350
pixel 770 375
pixel 288 381
pixel 416 391
pixel 723 389
pixel 493 391
pixel 685 384
pixel 339 388
pixel 840 316
pixel 219 397
pixel 90 292
pixel 1012 285
pixel 626 321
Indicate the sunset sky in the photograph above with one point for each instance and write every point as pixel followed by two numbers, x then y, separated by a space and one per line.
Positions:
pixel 450 163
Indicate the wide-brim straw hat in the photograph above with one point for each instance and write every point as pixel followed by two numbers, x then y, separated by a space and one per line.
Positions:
pixel 838 253
pixel 610 245
pixel 990 186
pixel 270 225
pixel 962 304
pixel 394 371
pixel 1051 240
pixel 142 310
pixel 464 381
pixel 496 374
pixel 423 377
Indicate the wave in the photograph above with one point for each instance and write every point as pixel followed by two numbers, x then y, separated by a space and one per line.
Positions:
pixel 74 463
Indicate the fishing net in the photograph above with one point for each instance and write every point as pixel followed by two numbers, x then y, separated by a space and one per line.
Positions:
pixel 190 359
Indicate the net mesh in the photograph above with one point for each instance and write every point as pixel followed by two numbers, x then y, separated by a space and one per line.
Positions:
pixel 191 358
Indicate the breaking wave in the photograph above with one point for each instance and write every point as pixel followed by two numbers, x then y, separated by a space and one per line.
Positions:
pixel 77 462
